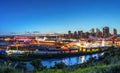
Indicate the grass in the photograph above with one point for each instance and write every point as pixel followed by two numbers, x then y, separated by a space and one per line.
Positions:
pixel 4 69
pixel 93 69
pixel 115 68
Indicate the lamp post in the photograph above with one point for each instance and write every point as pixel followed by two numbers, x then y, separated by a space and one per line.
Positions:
pixel 16 45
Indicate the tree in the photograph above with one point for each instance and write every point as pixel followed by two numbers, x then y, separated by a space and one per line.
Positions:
pixel 60 65
pixel 37 64
pixel 8 63
pixel 21 65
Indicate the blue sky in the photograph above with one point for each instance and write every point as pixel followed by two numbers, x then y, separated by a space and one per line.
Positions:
pixel 49 16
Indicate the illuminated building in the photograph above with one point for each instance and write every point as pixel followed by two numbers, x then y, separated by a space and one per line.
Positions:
pixel 79 34
pixel 106 32
pixel 75 35
pixel 98 33
pixel 86 34
pixel 115 31
pixel 24 38
pixel 92 32
pixel 47 38
pixel 69 34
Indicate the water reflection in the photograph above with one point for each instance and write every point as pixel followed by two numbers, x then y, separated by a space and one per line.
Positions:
pixel 29 66
pixel 68 61
pixel 82 59
pixel 103 43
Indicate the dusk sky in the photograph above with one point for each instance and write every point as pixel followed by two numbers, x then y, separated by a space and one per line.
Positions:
pixel 58 16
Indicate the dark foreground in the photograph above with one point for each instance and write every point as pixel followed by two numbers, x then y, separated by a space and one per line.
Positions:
pixel 107 63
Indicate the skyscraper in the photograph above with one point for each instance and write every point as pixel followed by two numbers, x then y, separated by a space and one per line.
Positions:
pixel 79 34
pixel 69 34
pixel 115 31
pixel 98 32
pixel 106 31
pixel 86 35
pixel 92 32
pixel 75 35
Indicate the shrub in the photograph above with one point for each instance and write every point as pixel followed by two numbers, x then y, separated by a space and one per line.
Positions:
pixel 37 64
pixel 60 65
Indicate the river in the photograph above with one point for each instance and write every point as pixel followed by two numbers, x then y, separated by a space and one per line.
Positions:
pixel 68 61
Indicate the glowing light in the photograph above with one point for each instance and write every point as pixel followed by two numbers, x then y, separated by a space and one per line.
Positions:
pixel 103 43
pixel 78 44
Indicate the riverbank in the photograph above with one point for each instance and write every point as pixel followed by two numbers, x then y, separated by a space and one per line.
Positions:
pixel 107 63
pixel 93 69
pixel 29 57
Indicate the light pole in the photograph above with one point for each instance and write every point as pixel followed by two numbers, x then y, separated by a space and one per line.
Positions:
pixel 16 45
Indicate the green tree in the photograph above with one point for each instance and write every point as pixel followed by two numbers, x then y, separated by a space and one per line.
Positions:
pixel 37 64
pixel 60 65
pixel 8 63
pixel 21 65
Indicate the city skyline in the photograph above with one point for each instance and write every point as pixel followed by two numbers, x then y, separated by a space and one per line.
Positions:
pixel 93 31
pixel 58 16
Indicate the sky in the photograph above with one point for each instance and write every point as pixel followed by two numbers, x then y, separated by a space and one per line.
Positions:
pixel 58 16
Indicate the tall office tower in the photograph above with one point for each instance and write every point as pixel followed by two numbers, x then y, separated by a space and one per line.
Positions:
pixel 98 32
pixel 65 35
pixel 75 35
pixel 86 35
pixel 81 34
pixel 115 31
pixel 106 31
pixel 92 31
pixel 69 34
